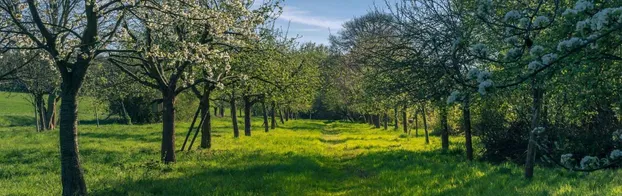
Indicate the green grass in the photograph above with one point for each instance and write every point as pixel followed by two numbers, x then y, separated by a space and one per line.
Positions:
pixel 302 157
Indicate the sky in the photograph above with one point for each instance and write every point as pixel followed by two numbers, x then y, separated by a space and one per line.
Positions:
pixel 315 20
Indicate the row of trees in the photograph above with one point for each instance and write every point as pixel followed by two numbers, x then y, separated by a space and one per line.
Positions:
pixel 525 76
pixel 120 51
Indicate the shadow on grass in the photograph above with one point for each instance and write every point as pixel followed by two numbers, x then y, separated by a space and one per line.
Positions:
pixel 153 137
pixel 397 172
pixel 16 120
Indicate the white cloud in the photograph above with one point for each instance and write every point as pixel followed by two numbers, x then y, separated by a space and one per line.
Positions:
pixel 299 16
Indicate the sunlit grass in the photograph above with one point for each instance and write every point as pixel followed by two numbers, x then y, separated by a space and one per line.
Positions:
pixel 301 157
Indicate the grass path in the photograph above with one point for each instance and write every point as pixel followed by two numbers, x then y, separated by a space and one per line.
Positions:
pixel 300 157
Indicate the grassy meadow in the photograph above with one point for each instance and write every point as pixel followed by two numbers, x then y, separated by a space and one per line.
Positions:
pixel 301 157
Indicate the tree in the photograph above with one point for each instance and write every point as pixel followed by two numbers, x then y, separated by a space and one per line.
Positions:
pixel 171 41
pixel 72 33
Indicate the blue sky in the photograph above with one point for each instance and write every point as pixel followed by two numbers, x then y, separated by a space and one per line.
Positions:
pixel 312 19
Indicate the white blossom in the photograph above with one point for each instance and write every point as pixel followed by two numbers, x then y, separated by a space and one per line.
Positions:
pixel 479 50
pixel 534 65
pixel 570 44
pixel 589 162
pixel 583 26
pixel 512 15
pixel 536 50
pixel 523 22
pixel 483 76
pixel 566 159
pixel 583 5
pixel 483 86
pixel 472 74
pixel 547 59
pixel 541 21
pixel 453 97
pixel 512 40
pixel 615 154
pixel 514 53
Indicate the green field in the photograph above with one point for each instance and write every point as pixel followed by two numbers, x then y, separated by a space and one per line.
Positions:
pixel 301 157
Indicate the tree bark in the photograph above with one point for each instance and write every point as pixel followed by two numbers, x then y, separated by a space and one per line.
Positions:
pixel 247 115
pixel 265 117
pixel 445 129
pixel 466 112
pixel 537 94
pixel 126 116
pixel 168 127
pixel 405 119
pixel 396 118
pixel 376 119
pixel 206 128
pixel 425 125
pixel 234 116
pixel 386 121
pixel 72 176
pixel 38 99
pixel 273 116
pixel 281 116
pixel 416 123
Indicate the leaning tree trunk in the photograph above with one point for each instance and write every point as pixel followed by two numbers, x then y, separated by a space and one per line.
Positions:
pixel 445 129
pixel 281 116
pixel 405 119
pixel 234 117
pixel 396 118
pixel 466 113
pixel 126 116
pixel 425 125
pixel 168 126
pixel 535 122
pixel 72 176
pixel 206 128
pixel 265 117
pixel 273 116
pixel 247 115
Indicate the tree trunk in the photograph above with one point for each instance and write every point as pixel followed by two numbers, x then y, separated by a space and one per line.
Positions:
pixel 234 116
pixel 247 115
pixel 39 105
pixel 222 111
pixel 72 176
pixel 466 112
pixel 405 119
pixel 286 114
pixel 425 125
pixel 445 129
pixel 386 121
pixel 377 121
pixel 273 116
pixel 281 116
pixel 36 109
pixel 96 116
pixel 168 127
pixel 265 117
pixel 206 128
pixel 50 116
pixel 535 122
pixel 396 118
pixel 126 116
pixel 416 117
